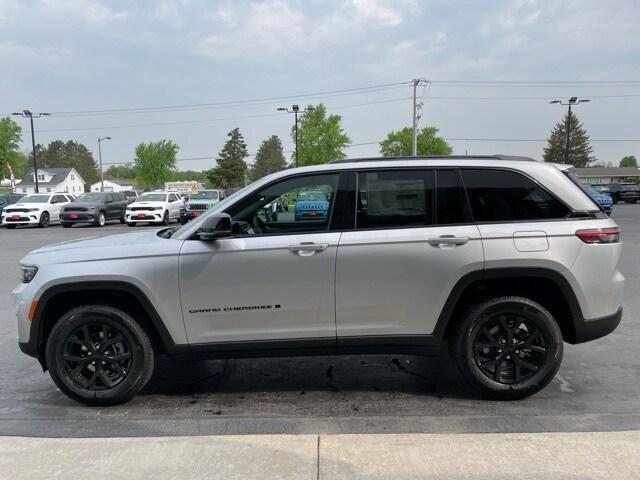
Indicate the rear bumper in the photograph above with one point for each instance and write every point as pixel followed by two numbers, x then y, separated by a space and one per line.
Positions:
pixel 587 330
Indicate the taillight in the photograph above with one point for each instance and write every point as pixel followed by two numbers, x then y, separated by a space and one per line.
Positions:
pixel 599 235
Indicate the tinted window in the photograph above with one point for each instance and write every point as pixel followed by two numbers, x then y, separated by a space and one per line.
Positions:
pixel 394 198
pixel 295 205
pixel 452 206
pixel 502 196
pixel 60 199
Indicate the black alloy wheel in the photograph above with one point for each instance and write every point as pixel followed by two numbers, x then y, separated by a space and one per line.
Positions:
pixel 507 347
pixel 99 355
pixel 44 220
pixel 165 218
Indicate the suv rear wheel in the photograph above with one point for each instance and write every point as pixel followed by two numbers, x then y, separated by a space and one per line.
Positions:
pixel 508 347
pixel 99 355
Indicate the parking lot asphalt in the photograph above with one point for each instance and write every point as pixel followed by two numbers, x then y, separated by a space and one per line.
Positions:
pixel 597 388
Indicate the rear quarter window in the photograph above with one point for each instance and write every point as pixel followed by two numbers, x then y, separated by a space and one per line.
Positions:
pixel 502 196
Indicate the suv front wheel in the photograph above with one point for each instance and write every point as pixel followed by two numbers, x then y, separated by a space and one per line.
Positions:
pixel 508 347
pixel 99 355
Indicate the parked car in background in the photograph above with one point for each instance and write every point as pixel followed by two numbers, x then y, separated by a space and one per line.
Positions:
pixel 603 200
pixel 198 203
pixel 41 209
pixel 8 199
pixel 311 205
pixel 131 195
pixel 154 207
pixel 96 208
pixel 622 192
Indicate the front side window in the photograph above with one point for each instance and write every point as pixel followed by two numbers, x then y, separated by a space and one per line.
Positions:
pixel 503 196
pixel 394 198
pixel 296 205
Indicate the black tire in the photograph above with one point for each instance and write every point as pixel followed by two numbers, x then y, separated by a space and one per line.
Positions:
pixel 44 220
pixel 10 227
pixel 122 219
pixel 131 224
pixel 79 334
pixel 66 224
pixel 631 201
pixel 493 334
pixel 101 219
pixel 165 218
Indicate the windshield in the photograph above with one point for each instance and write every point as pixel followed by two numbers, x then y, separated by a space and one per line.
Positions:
pixel 35 199
pixel 315 196
pixel 206 194
pixel 90 197
pixel 152 197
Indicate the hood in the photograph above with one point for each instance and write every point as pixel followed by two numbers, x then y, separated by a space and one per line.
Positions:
pixel 125 245
pixel 26 205
pixel 147 204
pixel 73 205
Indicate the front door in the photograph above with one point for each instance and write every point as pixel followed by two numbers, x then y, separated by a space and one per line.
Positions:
pixel 413 241
pixel 275 278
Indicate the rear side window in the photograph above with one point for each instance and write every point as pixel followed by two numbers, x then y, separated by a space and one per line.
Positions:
pixel 503 196
pixel 452 206
pixel 395 198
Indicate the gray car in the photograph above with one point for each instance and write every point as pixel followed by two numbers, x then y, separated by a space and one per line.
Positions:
pixel 503 259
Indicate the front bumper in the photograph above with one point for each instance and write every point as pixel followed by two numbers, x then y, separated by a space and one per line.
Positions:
pixel 188 215
pixel 80 217
pixel 21 218
pixel 587 330
pixel 144 216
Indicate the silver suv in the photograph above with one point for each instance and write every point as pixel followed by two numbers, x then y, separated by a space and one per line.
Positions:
pixel 501 258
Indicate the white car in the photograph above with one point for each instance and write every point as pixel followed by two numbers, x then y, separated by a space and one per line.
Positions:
pixel 154 207
pixel 41 209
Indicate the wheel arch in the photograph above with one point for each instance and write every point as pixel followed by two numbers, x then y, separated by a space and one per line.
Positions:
pixel 58 299
pixel 546 286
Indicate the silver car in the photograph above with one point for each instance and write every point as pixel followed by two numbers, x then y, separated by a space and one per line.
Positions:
pixel 501 258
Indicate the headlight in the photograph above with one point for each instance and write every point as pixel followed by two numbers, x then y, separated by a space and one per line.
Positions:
pixel 28 273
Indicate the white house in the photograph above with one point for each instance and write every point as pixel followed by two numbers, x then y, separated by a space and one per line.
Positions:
pixel 52 180
pixel 111 186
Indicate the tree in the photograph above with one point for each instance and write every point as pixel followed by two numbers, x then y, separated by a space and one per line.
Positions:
pixel 269 159
pixel 321 139
pixel 629 161
pixel 399 143
pixel 155 161
pixel 10 137
pixel 69 154
pixel 579 147
pixel 229 173
pixel 116 172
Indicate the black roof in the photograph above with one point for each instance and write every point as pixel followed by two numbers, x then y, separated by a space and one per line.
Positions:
pixel 438 157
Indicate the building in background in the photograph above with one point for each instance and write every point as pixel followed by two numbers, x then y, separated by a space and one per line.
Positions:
pixel 52 180
pixel 599 175
pixel 112 186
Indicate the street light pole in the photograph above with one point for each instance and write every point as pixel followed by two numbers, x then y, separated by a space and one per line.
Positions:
pixel 295 109
pixel 416 115
pixel 569 103
pixel 100 159
pixel 28 114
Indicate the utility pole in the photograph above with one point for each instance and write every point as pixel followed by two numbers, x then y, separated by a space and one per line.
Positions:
pixel 100 157
pixel 295 109
pixel 416 116
pixel 28 114
pixel 570 102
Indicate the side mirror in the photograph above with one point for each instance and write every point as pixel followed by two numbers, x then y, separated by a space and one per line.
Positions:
pixel 215 226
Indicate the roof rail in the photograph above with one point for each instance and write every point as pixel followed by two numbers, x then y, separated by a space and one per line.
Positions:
pixel 438 157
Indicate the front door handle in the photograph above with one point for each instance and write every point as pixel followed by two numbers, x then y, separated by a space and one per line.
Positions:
pixel 448 240
pixel 308 248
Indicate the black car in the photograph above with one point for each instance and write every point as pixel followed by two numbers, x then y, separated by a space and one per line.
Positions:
pixel 9 199
pixel 96 208
pixel 131 195
pixel 622 192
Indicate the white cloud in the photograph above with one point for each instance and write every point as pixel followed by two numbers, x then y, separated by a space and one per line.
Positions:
pixel 91 12
pixel 27 54
pixel 377 11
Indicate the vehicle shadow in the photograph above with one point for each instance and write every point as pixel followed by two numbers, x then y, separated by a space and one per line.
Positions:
pixel 421 376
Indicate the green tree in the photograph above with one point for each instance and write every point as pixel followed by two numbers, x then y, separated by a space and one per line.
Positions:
pixel 122 172
pixel 629 161
pixel 186 175
pixel 321 138
pixel 10 137
pixel 399 143
pixel 269 159
pixel 580 148
pixel 230 171
pixel 69 154
pixel 155 162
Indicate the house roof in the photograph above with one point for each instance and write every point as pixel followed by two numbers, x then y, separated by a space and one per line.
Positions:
pixel 122 184
pixel 59 175
pixel 608 172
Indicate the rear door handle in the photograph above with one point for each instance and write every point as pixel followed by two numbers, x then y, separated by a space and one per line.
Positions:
pixel 448 240
pixel 308 248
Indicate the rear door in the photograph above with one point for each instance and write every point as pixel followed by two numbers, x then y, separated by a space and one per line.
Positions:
pixel 56 204
pixel 413 241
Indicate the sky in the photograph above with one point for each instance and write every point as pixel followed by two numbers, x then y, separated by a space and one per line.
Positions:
pixel 243 59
